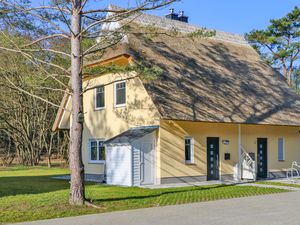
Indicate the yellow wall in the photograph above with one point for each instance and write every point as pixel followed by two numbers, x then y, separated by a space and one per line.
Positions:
pixel 171 149
pixel 172 134
pixel 250 133
pixel 110 121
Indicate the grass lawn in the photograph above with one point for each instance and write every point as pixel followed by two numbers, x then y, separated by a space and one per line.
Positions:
pixel 279 184
pixel 28 193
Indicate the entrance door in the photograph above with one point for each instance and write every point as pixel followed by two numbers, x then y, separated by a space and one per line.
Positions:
pixel 147 167
pixel 212 158
pixel 262 160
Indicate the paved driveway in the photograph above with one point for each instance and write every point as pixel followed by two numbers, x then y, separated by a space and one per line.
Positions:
pixel 272 209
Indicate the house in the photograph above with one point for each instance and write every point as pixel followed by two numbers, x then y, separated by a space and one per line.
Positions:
pixel 216 112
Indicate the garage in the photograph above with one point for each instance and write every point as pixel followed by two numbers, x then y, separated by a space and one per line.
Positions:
pixel 130 157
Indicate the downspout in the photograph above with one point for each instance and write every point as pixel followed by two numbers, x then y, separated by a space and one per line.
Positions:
pixel 239 169
pixel 239 164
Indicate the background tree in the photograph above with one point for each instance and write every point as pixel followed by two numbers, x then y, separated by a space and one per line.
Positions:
pixel 296 79
pixel 24 119
pixel 279 43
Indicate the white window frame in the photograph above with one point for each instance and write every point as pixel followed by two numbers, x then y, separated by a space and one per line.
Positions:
pixel 115 94
pixel 283 149
pixel 90 153
pixel 191 161
pixel 95 98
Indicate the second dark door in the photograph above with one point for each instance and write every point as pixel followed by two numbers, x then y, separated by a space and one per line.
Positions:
pixel 212 158
pixel 262 157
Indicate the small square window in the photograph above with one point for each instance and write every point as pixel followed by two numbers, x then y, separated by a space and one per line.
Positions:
pixel 97 151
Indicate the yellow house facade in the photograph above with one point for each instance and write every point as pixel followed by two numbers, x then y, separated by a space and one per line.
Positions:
pixel 216 112
pixel 172 134
pixel 171 166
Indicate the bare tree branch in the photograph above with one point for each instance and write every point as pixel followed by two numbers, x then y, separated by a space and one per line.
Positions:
pixel 47 37
pixel 38 8
pixel 47 50
pixel 22 9
pixel 63 16
pixel 30 94
pixel 34 58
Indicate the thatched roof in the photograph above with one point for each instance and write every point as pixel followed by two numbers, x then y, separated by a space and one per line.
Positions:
pixel 213 79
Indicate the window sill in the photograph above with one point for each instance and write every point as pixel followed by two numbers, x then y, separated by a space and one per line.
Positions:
pixel 281 160
pixel 99 109
pixel 97 162
pixel 189 163
pixel 120 106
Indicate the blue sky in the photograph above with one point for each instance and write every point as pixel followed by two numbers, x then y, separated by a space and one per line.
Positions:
pixel 236 16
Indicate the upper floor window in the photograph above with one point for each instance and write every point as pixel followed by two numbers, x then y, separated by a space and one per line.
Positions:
pixel 97 151
pixel 189 150
pixel 99 97
pixel 120 93
pixel 280 149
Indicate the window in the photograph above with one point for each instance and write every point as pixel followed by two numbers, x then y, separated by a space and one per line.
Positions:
pixel 120 93
pixel 189 150
pixel 99 97
pixel 280 149
pixel 97 151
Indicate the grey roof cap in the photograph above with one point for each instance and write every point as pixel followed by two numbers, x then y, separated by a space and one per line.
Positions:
pixel 168 24
pixel 131 135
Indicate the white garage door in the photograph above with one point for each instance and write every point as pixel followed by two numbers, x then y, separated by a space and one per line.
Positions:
pixel 118 165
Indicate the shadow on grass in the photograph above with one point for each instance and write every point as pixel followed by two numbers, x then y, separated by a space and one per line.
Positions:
pixel 161 192
pixel 19 185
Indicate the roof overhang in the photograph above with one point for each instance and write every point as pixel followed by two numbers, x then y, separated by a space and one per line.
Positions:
pixel 62 112
pixel 120 59
pixel 131 135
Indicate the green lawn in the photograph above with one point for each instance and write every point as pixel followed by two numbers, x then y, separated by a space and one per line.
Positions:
pixel 279 184
pixel 31 194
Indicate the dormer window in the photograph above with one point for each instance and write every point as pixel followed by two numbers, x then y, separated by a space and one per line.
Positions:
pixel 99 97
pixel 120 94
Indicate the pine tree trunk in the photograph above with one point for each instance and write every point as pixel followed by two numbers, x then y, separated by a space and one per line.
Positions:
pixel 77 196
